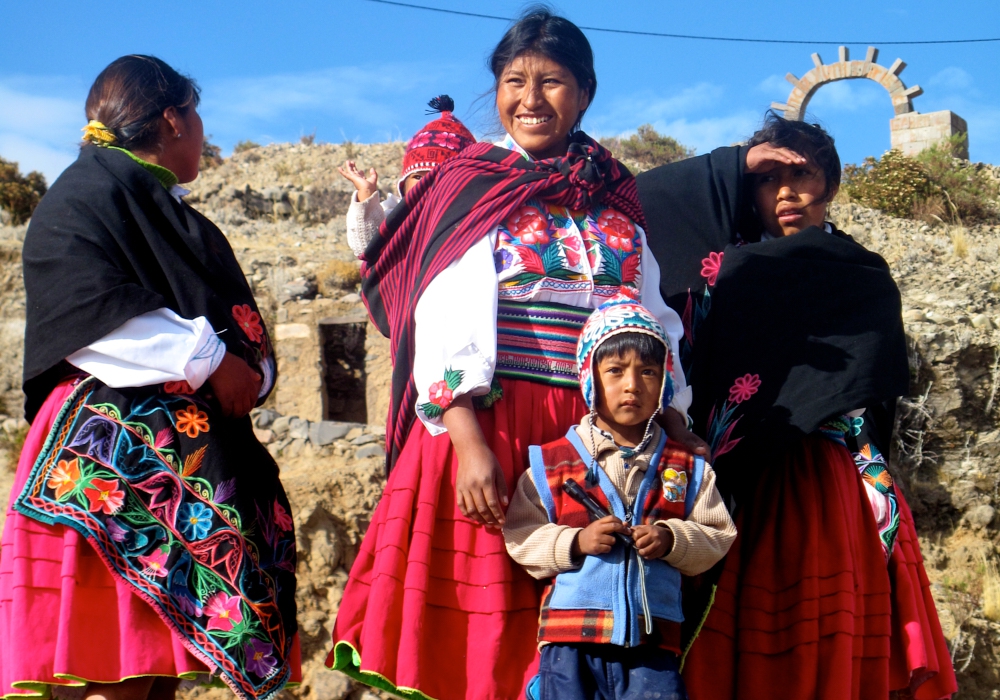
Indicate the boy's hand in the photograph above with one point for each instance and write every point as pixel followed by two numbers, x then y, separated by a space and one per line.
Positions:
pixel 653 541
pixel 598 537
pixel 366 186
pixel 676 429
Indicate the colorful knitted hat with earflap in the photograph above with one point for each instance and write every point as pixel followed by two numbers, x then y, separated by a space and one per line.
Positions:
pixel 437 141
pixel 621 314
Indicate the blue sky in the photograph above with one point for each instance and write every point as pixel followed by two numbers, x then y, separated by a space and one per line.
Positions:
pixel 351 69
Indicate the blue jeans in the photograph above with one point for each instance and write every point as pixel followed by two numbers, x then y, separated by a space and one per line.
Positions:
pixel 608 672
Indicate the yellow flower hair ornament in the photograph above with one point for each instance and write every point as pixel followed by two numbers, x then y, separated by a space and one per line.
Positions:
pixel 96 133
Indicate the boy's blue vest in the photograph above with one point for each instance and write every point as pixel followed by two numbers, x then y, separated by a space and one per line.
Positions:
pixel 601 602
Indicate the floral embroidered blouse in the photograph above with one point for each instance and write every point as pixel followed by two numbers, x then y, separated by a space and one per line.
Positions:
pixel 540 254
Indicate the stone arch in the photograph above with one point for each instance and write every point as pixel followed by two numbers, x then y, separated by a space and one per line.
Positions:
pixel 910 131
pixel 844 69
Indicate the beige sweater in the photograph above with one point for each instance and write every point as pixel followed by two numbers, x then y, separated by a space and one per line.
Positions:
pixel 544 548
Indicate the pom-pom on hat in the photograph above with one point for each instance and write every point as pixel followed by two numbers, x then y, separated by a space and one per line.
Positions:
pixel 438 141
pixel 622 314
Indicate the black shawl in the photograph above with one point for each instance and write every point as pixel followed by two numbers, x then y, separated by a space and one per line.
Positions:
pixel 108 243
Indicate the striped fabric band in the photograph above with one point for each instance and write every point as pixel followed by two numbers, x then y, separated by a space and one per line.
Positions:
pixel 537 342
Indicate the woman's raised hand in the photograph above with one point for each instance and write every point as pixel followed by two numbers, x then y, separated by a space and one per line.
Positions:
pixel 235 385
pixel 365 185
pixel 480 487
pixel 765 156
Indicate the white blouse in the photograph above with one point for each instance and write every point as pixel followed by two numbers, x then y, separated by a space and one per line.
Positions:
pixel 455 317
pixel 154 348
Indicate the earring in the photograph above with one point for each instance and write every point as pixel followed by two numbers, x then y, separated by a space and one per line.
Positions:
pixel 178 135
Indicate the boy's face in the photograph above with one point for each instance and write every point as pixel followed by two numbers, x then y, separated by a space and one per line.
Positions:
pixel 628 390
pixel 410 181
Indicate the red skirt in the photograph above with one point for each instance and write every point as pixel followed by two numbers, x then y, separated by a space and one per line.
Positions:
pixel 434 607
pixel 806 608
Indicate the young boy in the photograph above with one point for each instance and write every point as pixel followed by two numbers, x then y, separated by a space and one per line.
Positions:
pixel 610 620
pixel 442 138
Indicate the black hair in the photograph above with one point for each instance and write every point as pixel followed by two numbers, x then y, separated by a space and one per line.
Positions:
pixel 130 96
pixel 809 140
pixel 540 31
pixel 650 350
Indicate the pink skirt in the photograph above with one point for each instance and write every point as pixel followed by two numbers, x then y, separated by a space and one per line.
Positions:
pixel 64 620
pixel 434 607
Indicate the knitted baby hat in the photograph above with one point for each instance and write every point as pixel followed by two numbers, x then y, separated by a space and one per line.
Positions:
pixel 438 141
pixel 621 314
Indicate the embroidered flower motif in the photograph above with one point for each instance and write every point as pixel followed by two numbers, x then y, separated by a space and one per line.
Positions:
pixel 529 225
pixel 503 259
pixel 105 496
pixel 744 387
pixel 156 563
pixel 571 246
pixel 450 141
pixel 710 267
pixel 180 387
pixel 856 424
pixel 249 322
pixel 281 518
pixel 194 521
pixel 260 659
pixel 424 138
pixel 223 612
pixel 440 394
pixel 115 531
pixel 64 477
pixel 618 229
pixel 191 421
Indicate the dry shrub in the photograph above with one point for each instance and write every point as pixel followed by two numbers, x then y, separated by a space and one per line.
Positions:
pixel 245 145
pixel 211 155
pixel 932 187
pixel 338 276
pixel 647 148
pixel 959 242
pixel 20 194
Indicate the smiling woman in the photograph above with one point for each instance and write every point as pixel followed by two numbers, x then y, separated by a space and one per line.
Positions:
pixel 483 279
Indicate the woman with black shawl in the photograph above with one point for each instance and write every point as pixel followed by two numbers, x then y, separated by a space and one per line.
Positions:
pixel 149 538
pixel 794 339
pixel 483 278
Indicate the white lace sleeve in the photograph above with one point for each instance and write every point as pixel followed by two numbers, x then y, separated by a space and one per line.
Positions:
pixel 363 221
pixel 156 347
pixel 456 334
pixel 670 321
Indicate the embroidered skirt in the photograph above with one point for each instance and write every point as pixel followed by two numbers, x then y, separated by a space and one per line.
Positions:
pixel 806 608
pixel 64 619
pixel 434 607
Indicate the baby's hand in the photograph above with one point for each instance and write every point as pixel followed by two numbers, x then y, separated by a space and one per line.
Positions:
pixel 673 424
pixel 598 537
pixel 366 186
pixel 653 541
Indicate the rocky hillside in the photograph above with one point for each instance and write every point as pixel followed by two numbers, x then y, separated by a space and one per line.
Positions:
pixel 281 207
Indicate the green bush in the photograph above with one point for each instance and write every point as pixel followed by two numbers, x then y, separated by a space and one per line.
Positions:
pixel 934 186
pixel 245 146
pixel 647 148
pixel 20 194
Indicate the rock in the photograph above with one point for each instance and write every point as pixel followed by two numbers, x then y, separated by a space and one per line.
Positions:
pixel 370 450
pixel 914 316
pixel 265 436
pixel 289 331
pixel 300 288
pixel 364 439
pixel 352 298
pixel 981 516
pixel 298 429
pixel 378 430
pixel 981 321
pixel 280 425
pixel 354 432
pixel 325 432
pixel 264 417
pixel 325 684
pixel 939 318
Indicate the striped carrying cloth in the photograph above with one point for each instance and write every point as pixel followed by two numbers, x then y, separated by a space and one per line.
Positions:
pixel 537 342
pixel 446 212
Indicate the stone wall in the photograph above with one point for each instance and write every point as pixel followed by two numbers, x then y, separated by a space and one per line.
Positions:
pixel 914 132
